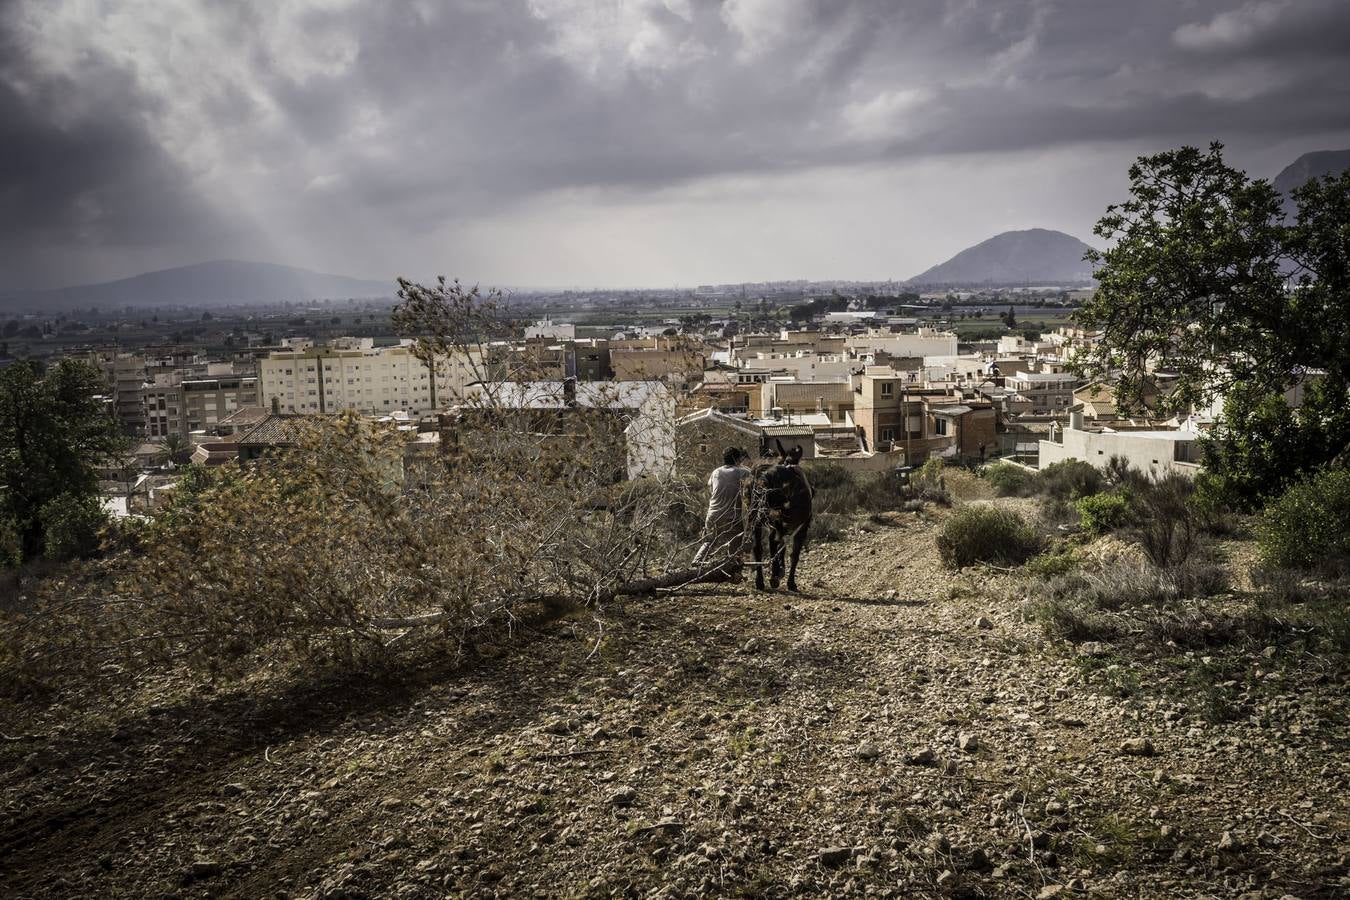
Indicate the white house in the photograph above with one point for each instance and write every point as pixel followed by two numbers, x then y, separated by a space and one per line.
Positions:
pixel 1154 452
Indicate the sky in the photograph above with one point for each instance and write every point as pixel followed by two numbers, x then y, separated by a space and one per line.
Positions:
pixel 546 143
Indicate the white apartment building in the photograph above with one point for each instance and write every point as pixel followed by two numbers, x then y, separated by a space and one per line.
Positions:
pixel 359 376
pixel 924 342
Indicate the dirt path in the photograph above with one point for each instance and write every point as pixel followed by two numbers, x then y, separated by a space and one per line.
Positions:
pixel 895 730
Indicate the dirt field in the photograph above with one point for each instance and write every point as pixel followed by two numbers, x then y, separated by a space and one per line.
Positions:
pixel 895 730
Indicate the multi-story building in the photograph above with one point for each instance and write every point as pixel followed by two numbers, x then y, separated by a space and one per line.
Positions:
pixel 177 405
pixel 363 378
pixel 1041 392
pixel 834 398
pixel 897 412
pixel 124 375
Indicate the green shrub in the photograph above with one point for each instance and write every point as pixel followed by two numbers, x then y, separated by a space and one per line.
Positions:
pixel 840 491
pixel 1009 481
pixel 1209 503
pixel 978 534
pixel 71 526
pixel 1306 526
pixel 1103 513
pixel 1119 473
pixel 930 484
pixel 1050 565
pixel 1070 479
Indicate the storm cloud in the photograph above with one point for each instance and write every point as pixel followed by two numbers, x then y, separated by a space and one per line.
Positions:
pixel 620 141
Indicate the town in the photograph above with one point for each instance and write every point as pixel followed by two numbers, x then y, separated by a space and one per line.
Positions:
pixel 873 383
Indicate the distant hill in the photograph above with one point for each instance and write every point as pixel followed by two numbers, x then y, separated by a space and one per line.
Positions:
pixel 1034 256
pixel 206 284
pixel 1308 166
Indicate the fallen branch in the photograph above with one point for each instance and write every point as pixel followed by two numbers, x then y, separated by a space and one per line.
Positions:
pixel 678 578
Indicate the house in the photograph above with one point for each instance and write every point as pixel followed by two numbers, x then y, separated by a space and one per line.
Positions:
pixel 214 453
pixel 1097 400
pixel 970 426
pixel 1155 452
pixel 701 437
pixel 680 365
pixel 834 398
pixel 241 420
pixel 274 431
pixel 637 416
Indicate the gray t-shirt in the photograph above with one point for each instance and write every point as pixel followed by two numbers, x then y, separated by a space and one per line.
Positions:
pixel 725 483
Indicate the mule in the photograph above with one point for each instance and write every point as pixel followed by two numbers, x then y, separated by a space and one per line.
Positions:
pixel 780 503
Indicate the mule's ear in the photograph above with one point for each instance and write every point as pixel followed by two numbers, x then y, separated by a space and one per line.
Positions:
pixel 782 454
pixel 797 454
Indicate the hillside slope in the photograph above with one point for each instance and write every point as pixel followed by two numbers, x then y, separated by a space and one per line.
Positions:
pixel 1317 164
pixel 1034 256
pixel 895 731
pixel 208 284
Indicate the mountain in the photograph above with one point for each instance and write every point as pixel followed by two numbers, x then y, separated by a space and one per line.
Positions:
pixel 206 284
pixel 1034 256
pixel 1308 166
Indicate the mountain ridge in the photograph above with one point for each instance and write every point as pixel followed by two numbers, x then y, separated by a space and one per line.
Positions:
pixel 211 283
pixel 1314 164
pixel 1026 256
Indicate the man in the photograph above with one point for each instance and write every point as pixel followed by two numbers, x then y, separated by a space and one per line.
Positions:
pixel 724 528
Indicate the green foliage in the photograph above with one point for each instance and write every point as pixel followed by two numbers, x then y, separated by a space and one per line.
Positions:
pixel 1305 528
pixel 177 450
pixel 1196 276
pixel 1050 565
pixel 70 526
pixel 1103 513
pixel 978 534
pixel 53 431
pixel 1008 480
pixel 1261 446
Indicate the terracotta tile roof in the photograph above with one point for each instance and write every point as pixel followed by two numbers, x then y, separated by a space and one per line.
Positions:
pixel 275 430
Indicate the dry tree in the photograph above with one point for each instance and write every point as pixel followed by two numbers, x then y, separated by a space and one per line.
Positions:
pixel 361 536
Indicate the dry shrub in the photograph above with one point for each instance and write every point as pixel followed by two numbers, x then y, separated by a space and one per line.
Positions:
pixel 1166 525
pixel 1112 600
pixel 1009 480
pixel 358 541
pixel 985 534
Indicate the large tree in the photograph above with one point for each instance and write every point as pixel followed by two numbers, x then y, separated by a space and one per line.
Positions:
pixel 54 430
pixel 1205 277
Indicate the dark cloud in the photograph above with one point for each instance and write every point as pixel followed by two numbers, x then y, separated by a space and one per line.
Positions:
pixel 371 133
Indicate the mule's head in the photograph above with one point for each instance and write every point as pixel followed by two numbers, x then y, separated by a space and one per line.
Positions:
pixel 788 457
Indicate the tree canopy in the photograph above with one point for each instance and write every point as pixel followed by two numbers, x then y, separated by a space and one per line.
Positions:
pixel 53 432
pixel 1205 277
